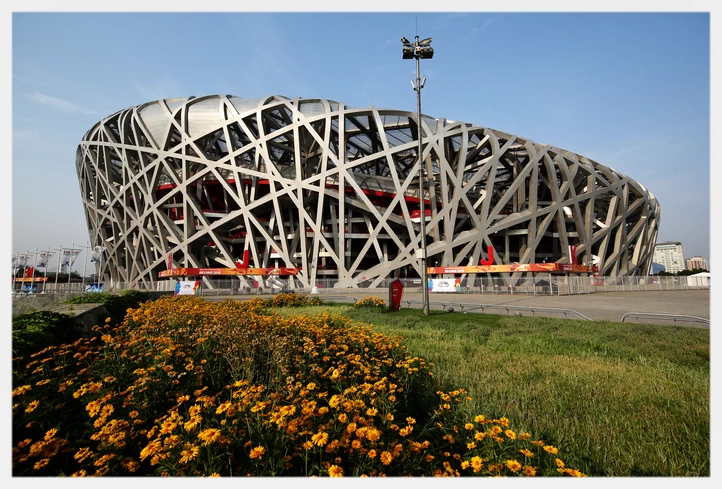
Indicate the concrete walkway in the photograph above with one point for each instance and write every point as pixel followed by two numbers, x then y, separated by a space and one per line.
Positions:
pixel 610 306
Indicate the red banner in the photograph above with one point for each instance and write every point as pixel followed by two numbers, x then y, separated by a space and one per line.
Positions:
pixel 515 267
pixel 194 272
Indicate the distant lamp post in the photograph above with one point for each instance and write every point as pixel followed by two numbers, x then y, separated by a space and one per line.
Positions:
pixel 417 51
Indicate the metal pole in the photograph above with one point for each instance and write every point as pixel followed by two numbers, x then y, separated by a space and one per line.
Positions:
pixel 45 274
pixel 60 260
pixel 70 265
pixel 35 265
pixel 424 280
pixel 85 265
pixel 15 269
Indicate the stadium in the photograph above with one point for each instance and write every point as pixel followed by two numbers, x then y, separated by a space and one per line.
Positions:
pixel 332 192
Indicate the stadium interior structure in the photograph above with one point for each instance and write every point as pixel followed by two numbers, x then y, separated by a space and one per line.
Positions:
pixel 334 192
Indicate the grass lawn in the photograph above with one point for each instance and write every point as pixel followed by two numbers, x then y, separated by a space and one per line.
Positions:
pixel 618 399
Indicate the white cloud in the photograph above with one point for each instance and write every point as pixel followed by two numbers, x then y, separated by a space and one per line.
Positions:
pixel 60 103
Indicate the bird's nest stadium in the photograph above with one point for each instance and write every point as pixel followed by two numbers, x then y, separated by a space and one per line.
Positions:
pixel 333 192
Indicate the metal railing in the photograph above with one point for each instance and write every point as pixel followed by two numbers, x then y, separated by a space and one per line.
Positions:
pixel 540 284
pixel 666 317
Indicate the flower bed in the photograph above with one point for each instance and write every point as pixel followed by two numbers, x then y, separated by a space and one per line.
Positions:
pixel 188 387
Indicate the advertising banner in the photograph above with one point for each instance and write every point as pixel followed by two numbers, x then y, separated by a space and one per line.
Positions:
pixel 515 267
pixel 21 261
pixel 44 258
pixel 444 285
pixel 95 287
pixel 187 287
pixel 192 272
pixel 97 254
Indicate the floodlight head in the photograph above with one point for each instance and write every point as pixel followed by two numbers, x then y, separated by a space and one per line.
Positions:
pixel 426 52
pixel 425 42
pixel 404 40
pixel 408 52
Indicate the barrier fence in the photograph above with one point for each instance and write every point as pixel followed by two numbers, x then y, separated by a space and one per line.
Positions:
pixel 541 284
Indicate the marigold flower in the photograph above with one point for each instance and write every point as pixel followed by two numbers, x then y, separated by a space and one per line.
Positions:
pixel 410 420
pixel 476 463
pixel 465 465
pixel 529 471
pixel 526 452
pixel 510 434
pixel 559 462
pixel 513 465
pixel 386 457
pixel 335 471
pixel 371 453
pixel 257 452
pixel 469 426
pixel 551 449
pixel 320 438
pixel 504 422
pixel 471 445
pixel 209 435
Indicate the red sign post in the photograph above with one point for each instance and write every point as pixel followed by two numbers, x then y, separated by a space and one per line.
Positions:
pixel 396 292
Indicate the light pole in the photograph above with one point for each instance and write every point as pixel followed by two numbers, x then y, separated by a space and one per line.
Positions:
pixel 418 50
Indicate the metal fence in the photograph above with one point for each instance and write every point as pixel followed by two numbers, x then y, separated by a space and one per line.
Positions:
pixel 541 284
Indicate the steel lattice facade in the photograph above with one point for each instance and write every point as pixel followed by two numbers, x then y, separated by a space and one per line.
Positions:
pixel 332 190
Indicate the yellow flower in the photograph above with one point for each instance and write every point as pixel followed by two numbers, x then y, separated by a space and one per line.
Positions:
pixel 510 434
pixel 480 418
pixel 551 449
pixel 465 465
pixel 406 431
pixel 469 426
pixel 190 452
pixel 471 445
pixel 526 452
pixel 479 435
pixel 335 471
pixel 307 445
pixel 559 462
pixel 504 422
pixel 372 453
pixel 41 463
pixel 320 438
pixel 476 463
pixel 209 435
pixel 513 465
pixel 21 390
pixel 50 434
pixel 257 452
pixel 524 436
pixel 529 471
pixel 386 457
pixel 371 411
pixel 538 443
pixel 411 420
pixel 31 407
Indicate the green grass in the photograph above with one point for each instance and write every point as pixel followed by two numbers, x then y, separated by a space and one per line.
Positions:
pixel 619 399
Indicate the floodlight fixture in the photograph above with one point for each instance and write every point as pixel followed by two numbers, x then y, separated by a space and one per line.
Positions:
pixel 418 51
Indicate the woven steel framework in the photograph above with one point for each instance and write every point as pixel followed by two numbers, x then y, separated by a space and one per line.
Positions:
pixel 333 191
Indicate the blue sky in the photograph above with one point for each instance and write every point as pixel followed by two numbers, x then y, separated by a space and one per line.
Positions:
pixel 629 90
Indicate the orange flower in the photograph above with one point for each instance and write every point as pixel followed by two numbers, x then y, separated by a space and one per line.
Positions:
pixel 386 457
pixel 513 465
pixel 335 471
pixel 257 452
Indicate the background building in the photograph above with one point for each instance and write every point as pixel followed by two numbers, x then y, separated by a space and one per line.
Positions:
pixel 334 191
pixel 669 254
pixel 697 262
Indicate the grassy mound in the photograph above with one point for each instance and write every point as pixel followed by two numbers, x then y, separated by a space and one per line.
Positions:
pixel 188 387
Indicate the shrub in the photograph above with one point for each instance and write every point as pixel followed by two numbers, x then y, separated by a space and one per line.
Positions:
pixel 185 387
pixel 37 330
pixel 370 302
